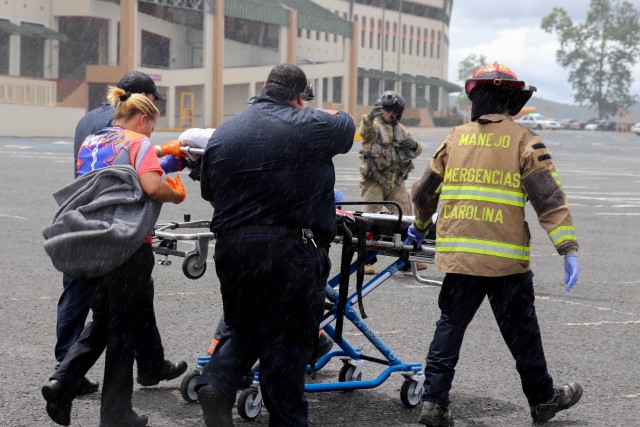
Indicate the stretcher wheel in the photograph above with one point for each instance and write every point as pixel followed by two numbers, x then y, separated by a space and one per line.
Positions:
pixel 346 374
pixel 188 385
pixel 408 394
pixel 249 404
pixel 189 269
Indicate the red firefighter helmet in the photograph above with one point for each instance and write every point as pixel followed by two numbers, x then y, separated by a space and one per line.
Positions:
pixel 495 74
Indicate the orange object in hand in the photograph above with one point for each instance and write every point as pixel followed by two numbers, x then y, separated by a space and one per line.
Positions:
pixel 176 185
pixel 173 148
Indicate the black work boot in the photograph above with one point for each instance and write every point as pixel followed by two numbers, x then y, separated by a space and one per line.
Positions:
pixel 58 404
pixel 87 386
pixel 167 371
pixel 130 420
pixel 325 343
pixel 564 397
pixel 435 415
pixel 216 409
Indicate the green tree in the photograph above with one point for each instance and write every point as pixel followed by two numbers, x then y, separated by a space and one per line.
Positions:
pixel 466 68
pixel 599 53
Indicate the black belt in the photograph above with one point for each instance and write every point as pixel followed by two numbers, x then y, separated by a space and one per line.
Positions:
pixel 305 234
pixel 295 233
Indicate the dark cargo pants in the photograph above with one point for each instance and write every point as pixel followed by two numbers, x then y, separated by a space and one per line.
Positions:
pixel 273 294
pixel 512 301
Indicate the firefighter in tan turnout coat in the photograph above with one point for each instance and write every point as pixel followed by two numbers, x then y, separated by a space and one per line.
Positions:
pixel 479 180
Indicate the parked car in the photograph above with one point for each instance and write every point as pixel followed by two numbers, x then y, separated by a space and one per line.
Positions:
pixel 537 121
pixel 577 125
pixel 593 125
pixel 607 125
pixel 636 129
pixel 566 123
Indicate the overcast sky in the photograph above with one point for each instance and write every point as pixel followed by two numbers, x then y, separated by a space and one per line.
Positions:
pixel 509 32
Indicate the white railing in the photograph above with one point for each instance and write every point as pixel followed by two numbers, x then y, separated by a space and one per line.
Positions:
pixel 26 91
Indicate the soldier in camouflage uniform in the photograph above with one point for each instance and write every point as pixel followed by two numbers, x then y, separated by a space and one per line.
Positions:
pixel 386 157
pixel 387 154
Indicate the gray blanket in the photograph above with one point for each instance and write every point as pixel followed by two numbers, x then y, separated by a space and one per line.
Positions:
pixel 104 217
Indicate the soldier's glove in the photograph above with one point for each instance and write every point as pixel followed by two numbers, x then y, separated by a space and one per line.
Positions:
pixel 414 237
pixel 170 148
pixel 176 185
pixel 408 144
pixel 571 271
pixel 375 112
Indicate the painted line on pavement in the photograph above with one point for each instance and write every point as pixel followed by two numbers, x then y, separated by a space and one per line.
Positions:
pixel 14 217
pixel 605 322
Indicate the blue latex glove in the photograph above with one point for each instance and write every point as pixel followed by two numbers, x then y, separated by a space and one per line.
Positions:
pixel 337 194
pixel 414 237
pixel 571 271
pixel 170 163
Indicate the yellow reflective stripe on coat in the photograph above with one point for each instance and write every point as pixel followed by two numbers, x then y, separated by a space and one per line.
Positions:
pixel 562 234
pixel 554 174
pixel 485 194
pixel 485 247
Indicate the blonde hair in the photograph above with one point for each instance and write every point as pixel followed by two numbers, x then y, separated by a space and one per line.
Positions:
pixel 129 104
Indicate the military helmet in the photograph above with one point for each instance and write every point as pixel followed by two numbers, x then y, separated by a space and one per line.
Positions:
pixel 392 101
pixel 497 75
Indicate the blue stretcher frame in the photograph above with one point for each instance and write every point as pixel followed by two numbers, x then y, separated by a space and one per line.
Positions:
pixel 346 350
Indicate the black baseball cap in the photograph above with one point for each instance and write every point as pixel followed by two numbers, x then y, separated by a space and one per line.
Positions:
pixel 137 82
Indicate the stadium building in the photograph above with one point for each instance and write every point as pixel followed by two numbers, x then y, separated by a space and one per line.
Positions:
pixel 209 56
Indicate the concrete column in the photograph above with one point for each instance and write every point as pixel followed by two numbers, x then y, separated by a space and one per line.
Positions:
pixel 171 105
pixel 365 91
pixel 351 83
pixel 129 37
pixel 112 54
pixel 14 55
pixel 292 37
pixel 217 89
pixel 283 45
pixel 207 64
pixel 330 98
pixel 414 101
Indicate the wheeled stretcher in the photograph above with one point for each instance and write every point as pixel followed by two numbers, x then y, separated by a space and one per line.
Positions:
pixel 385 238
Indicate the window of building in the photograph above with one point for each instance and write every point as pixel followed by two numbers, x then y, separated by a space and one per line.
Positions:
pixel 32 56
pixel 433 36
pixel 439 43
pixel 372 26
pixel 363 32
pixel 374 90
pixel 154 52
pixel 337 90
pixel 386 35
pixel 395 37
pixel 406 91
pixel 425 39
pixel 253 32
pixel 404 38
pixel 360 91
pixel 325 89
pixel 4 53
pixel 411 40
pixel 379 34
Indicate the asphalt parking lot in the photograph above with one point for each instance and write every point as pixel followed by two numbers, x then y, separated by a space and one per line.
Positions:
pixel 591 334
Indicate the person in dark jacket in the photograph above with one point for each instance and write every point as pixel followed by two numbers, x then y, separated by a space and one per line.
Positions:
pixel 73 305
pixel 269 175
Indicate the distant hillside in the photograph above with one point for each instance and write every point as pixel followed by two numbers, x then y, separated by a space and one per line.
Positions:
pixel 560 111
pixel 567 111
